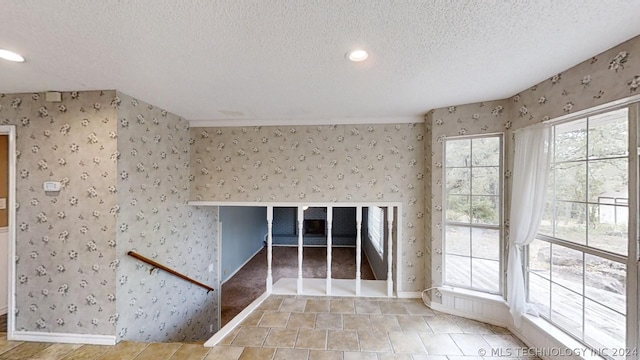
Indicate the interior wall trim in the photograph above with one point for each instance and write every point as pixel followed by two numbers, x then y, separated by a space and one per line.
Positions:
pixel 241 265
pixel 226 330
pixel 303 122
pixel 65 338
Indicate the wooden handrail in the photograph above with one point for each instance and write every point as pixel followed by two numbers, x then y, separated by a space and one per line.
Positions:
pixel 169 270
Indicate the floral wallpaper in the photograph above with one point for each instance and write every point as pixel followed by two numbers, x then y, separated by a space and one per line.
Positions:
pixel 332 163
pixel 65 249
pixel 124 169
pixel 155 221
pixel 609 76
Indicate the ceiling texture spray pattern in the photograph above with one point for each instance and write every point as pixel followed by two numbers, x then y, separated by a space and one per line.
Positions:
pixel 285 59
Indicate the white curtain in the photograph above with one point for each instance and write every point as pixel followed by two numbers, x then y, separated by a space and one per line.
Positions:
pixel 530 171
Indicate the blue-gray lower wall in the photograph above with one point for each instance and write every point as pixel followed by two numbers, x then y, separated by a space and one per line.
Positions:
pixel 285 226
pixel 243 229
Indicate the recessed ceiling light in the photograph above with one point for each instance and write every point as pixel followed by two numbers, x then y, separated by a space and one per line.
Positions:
pixel 357 55
pixel 11 56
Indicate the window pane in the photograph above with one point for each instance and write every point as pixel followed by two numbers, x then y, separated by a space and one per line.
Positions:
pixel 604 328
pixel 458 153
pixel 486 151
pixel 485 181
pixel 608 181
pixel 608 229
pixel 606 282
pixel 486 274
pixel 458 270
pixel 566 309
pixel 571 222
pixel 571 181
pixel 458 208
pixel 539 290
pixel 567 268
pixel 608 134
pixel 458 240
pixel 540 258
pixel 571 141
pixel 485 244
pixel 458 181
pixel 485 209
pixel 546 223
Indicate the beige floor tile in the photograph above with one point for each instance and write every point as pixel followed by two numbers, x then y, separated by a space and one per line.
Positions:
pixel 442 324
pixel 158 351
pixel 124 350
pixel 393 308
pixel 87 352
pixel 356 322
pixel 311 339
pixel 302 321
pixel 250 337
pixel 440 344
pixel 190 352
pixel 224 353
pixel 500 341
pixel 56 351
pixel 469 326
pixel 293 305
pixel 392 356
pixel 25 350
pixel 430 357
pixel 377 341
pixel 471 344
pixel 406 342
pixel 417 307
pixel 367 307
pixel 229 338
pixel 342 340
pixel 385 322
pixel 413 323
pixel 325 355
pixel 274 319
pixel 499 329
pixel 329 321
pixel 271 304
pixel 342 306
pixel 356 355
pixel 291 354
pixel 253 319
pixel 317 306
pixel 8 345
pixel 257 353
pixel 281 338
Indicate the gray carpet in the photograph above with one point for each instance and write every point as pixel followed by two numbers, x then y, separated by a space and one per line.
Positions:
pixel 249 282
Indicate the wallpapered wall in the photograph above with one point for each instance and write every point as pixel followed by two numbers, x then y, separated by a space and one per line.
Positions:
pixel 609 76
pixel 155 221
pixel 65 247
pixel 336 163
pixel 124 166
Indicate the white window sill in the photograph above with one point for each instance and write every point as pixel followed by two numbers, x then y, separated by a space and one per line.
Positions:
pixel 472 294
pixel 560 336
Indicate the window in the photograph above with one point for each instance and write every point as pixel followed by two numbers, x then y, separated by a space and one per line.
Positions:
pixel 375 227
pixel 473 213
pixel 577 266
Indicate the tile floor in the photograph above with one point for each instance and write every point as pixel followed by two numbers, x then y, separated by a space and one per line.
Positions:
pixel 310 328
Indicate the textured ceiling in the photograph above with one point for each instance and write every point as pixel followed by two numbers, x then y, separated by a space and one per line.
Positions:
pixel 284 59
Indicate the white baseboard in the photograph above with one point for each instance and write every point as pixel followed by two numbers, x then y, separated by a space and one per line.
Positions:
pixel 215 339
pixel 241 266
pixel 409 294
pixel 62 338
pixel 4 310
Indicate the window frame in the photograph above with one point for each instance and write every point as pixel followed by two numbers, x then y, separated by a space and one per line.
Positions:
pixel 471 225
pixel 632 256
